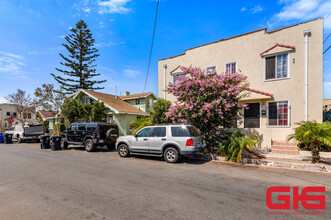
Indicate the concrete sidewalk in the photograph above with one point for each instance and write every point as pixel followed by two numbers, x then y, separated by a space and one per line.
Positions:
pixel 295 162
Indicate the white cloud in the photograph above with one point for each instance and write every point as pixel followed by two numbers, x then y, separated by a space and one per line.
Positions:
pixel 12 65
pixel 256 9
pixel 114 6
pixel 87 10
pixel 131 73
pixel 302 10
pixel 82 6
pixel 243 9
pixel 101 24
pixel 104 44
pixel 61 36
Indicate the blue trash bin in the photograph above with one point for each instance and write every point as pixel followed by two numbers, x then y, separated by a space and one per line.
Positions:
pixel 1 138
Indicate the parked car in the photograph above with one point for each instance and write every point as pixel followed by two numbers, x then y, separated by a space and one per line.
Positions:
pixel 29 132
pixel 90 135
pixel 168 141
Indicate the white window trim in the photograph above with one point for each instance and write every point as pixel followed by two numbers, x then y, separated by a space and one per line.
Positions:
pixel 231 63
pixel 288 115
pixel 211 67
pixel 244 113
pixel 288 67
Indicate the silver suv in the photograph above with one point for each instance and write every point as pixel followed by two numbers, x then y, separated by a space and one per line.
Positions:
pixel 169 141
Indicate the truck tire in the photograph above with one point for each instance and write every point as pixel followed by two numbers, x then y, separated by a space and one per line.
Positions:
pixel 89 145
pixel 171 155
pixel 20 140
pixel 64 144
pixel 112 134
pixel 111 146
pixel 123 150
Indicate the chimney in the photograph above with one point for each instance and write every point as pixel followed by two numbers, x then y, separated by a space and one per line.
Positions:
pixel 126 93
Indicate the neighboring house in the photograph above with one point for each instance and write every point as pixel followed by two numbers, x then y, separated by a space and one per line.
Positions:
pixel 143 101
pixel 119 111
pixel 52 117
pixel 275 64
pixel 326 109
pixel 10 111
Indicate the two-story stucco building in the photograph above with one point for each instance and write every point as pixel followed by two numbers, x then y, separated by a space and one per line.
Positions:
pixel 284 68
pixel 10 111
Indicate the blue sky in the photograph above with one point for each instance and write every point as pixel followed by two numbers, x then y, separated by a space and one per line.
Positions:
pixel 32 32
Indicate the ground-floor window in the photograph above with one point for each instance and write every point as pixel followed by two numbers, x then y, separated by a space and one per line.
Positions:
pixel 252 115
pixel 278 113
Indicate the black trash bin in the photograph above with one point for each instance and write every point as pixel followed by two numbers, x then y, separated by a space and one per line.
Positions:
pixel 45 142
pixel 56 143
pixel 7 138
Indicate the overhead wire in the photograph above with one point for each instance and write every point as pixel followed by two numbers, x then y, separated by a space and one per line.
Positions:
pixel 150 54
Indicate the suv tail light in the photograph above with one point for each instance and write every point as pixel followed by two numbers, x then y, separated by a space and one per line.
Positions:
pixel 23 134
pixel 189 142
pixel 98 134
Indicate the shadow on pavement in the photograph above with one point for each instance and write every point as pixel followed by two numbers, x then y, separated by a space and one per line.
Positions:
pixel 184 160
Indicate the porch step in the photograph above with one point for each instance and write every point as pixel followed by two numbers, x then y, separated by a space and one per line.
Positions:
pixel 279 147
pixel 288 152
pixel 279 143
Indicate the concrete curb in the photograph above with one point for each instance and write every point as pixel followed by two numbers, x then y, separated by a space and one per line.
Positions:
pixel 279 165
pixel 268 163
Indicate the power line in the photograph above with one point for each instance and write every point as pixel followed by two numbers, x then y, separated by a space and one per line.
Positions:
pixel 150 54
pixel 327 49
pixel 326 38
pixel 327 16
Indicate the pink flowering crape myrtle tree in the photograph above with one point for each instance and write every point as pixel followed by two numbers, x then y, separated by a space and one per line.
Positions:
pixel 208 101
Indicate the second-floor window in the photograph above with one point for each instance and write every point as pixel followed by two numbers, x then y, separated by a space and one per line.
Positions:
pixel 14 114
pixel 210 69
pixel 231 67
pixel 276 67
pixel 8 113
pixel 137 101
pixel 29 116
pixel 177 76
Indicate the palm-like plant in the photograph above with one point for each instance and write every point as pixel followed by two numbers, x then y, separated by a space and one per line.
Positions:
pixel 236 145
pixel 313 134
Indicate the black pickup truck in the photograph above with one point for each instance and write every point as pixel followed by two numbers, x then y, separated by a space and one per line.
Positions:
pixel 90 135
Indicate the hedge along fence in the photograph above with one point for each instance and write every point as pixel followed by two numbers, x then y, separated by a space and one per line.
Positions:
pixel 58 128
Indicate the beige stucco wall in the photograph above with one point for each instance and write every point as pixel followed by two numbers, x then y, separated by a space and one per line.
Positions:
pixel 245 51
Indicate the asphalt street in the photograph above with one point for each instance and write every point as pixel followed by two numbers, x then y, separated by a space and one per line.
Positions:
pixel 74 184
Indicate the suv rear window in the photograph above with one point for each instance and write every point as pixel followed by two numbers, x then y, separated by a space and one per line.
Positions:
pixel 185 131
pixel 193 131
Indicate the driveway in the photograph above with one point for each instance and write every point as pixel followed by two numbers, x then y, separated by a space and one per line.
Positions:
pixel 74 184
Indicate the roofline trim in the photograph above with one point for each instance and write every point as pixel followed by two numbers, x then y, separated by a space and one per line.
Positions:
pixel 82 90
pixel 240 35
pixel 151 93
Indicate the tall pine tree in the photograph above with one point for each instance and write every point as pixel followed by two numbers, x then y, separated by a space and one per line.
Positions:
pixel 80 67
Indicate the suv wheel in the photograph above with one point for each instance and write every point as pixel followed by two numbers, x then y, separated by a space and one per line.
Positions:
pixel 89 145
pixel 171 155
pixel 64 144
pixel 123 150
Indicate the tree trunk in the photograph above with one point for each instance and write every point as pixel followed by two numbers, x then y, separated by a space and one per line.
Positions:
pixel 259 155
pixel 315 152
